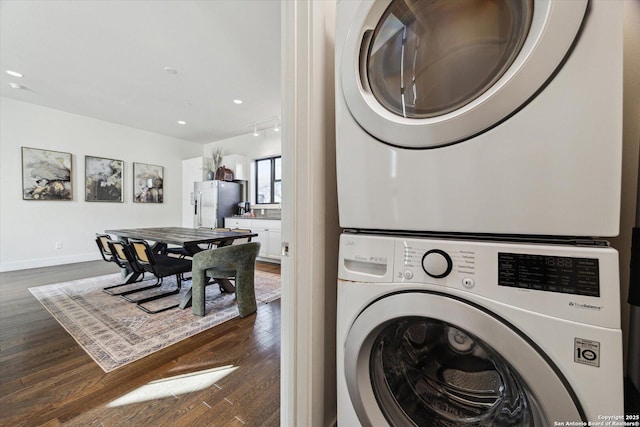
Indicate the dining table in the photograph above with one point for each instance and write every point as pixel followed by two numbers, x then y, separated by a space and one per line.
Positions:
pixel 188 238
pixel 191 239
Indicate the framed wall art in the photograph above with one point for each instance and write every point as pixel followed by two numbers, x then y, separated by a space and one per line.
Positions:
pixel 147 183
pixel 103 179
pixel 46 175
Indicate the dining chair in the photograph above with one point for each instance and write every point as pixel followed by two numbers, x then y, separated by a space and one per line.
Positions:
pixel 223 288
pixel 176 251
pixel 161 266
pixel 228 262
pixel 121 253
pixel 103 246
pixel 215 243
pixel 182 252
pixel 241 241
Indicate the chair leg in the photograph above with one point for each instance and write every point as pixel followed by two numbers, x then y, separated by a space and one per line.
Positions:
pixel 133 291
pixel 146 310
pixel 245 292
pixel 131 278
pixel 155 297
pixel 129 296
pixel 159 296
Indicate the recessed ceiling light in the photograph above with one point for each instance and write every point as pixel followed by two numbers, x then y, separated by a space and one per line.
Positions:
pixel 171 70
pixel 16 86
pixel 237 101
pixel 182 122
pixel 14 73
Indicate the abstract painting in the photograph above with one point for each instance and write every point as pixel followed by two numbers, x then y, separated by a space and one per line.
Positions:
pixel 46 175
pixel 147 183
pixel 103 179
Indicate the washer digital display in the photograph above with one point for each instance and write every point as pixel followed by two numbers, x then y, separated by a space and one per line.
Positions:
pixel 580 276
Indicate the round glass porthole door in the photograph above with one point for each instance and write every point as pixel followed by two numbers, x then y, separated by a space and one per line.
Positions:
pixel 427 359
pixel 426 372
pixel 426 74
pixel 429 58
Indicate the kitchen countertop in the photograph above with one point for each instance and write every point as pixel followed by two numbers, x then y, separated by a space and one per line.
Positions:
pixel 255 217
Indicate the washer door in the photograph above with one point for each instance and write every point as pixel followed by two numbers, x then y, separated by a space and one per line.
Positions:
pixel 421 74
pixel 427 359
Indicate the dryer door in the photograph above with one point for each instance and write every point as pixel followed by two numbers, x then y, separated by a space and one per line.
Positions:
pixel 421 74
pixel 428 359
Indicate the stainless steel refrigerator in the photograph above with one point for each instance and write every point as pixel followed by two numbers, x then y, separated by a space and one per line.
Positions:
pixel 213 201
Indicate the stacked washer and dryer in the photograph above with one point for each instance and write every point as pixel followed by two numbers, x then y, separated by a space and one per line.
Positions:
pixel 479 164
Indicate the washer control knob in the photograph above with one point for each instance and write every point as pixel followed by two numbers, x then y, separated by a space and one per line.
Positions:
pixel 437 263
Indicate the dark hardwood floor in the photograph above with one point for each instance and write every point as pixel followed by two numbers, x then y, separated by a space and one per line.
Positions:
pixel 46 378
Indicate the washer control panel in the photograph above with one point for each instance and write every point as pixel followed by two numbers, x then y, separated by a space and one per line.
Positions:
pixel 427 262
pixel 573 282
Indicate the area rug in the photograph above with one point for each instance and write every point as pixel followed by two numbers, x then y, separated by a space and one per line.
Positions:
pixel 115 332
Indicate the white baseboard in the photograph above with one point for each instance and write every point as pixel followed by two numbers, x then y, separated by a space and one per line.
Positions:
pixel 269 259
pixel 47 262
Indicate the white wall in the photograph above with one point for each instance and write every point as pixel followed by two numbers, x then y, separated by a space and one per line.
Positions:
pixel 29 229
pixel 309 216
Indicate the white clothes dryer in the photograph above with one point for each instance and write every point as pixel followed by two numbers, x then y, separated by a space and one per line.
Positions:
pixel 479 116
pixel 434 332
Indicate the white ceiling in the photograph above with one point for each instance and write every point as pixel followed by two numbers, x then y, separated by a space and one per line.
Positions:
pixel 105 59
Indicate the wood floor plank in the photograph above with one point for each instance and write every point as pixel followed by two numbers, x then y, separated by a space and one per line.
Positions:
pixel 46 378
pixel 77 363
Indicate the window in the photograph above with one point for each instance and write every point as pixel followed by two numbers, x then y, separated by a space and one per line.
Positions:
pixel 430 58
pixel 269 180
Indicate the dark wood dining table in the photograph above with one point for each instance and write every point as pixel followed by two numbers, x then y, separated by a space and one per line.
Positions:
pixel 188 238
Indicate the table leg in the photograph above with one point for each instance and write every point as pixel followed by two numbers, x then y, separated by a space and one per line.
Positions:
pixel 192 249
pixel 186 300
pixel 127 275
pixel 132 277
pixel 224 283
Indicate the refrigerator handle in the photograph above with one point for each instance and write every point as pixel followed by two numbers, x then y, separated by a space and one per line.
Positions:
pixel 200 213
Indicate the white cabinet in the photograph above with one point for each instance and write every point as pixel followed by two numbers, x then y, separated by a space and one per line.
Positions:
pixel 262 238
pixel 238 223
pixel 275 241
pixel 269 234
pixel 238 164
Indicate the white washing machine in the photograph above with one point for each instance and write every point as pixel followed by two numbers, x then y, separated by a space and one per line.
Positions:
pixel 479 116
pixel 469 333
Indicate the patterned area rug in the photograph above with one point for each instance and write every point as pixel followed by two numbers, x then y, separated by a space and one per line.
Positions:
pixel 115 332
